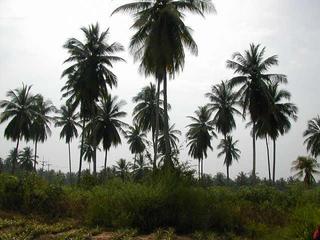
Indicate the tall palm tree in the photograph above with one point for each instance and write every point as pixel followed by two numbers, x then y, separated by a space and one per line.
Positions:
pixel 145 113
pixel 25 159
pixel 90 152
pixel 40 127
pixel 229 150
pixel 173 140
pixel 280 114
pixel 122 168
pixel 20 110
pixel 160 39
pixel 199 136
pixel 68 120
pixel 106 125
pixel 89 72
pixel 252 77
pixel 312 135
pixel 137 140
pixel 223 102
pixel 306 166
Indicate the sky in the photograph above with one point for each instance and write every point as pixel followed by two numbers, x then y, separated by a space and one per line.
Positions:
pixel 32 34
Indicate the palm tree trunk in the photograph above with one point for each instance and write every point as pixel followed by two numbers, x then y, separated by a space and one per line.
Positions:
pixel 199 161
pixel 168 161
pixel 268 156
pixel 16 158
pixel 201 168
pixel 228 172
pixel 254 152
pixel 35 155
pixel 69 161
pixel 155 139
pixel 81 149
pixel 105 161
pixel 274 161
pixel 94 160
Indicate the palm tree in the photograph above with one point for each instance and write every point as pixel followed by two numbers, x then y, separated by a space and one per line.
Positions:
pixel 173 140
pixel 106 125
pixel 140 167
pixel 137 140
pixel 145 113
pixel 280 114
pixel 251 69
pixel 69 121
pixel 160 40
pixel 25 159
pixel 13 156
pixel 312 135
pixel 90 152
pixel 307 166
pixel 89 74
pixel 223 102
pixel 20 110
pixel 230 151
pixel 199 136
pixel 122 168
pixel 40 127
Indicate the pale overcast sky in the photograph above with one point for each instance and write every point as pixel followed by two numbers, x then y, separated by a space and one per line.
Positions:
pixel 32 34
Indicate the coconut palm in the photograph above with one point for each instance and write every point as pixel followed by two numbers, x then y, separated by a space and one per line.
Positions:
pixel 68 120
pixel 12 156
pixel 229 150
pixel 90 152
pixel 306 166
pixel 252 77
pixel 278 120
pixel 160 39
pixel 199 135
pixel 312 135
pixel 106 125
pixel 137 140
pixel 173 140
pixel 140 167
pixel 122 168
pixel 89 72
pixel 19 110
pixel 223 102
pixel 145 113
pixel 25 159
pixel 40 127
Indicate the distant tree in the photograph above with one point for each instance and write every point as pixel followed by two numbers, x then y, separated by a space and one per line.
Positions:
pixel 89 74
pixel 20 110
pixel 25 159
pixel 40 127
pixel 312 135
pixel 68 120
pixel 199 135
pixel 145 113
pixel 223 103
pixel 106 125
pixel 242 179
pixel 230 151
pixel 137 140
pixel 122 168
pixel 173 140
pixel 306 166
pixel 252 70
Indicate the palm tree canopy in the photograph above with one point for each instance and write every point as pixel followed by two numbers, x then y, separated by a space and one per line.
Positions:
pixel 20 110
pixel 223 101
pixel 144 113
pixel 26 159
pixel 69 121
pixel 312 135
pixel 251 69
pixel 200 133
pixel 107 126
pixel 277 122
pixel 173 140
pixel 161 33
pixel 229 150
pixel 40 127
pixel 306 166
pixel 89 72
pixel 137 139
